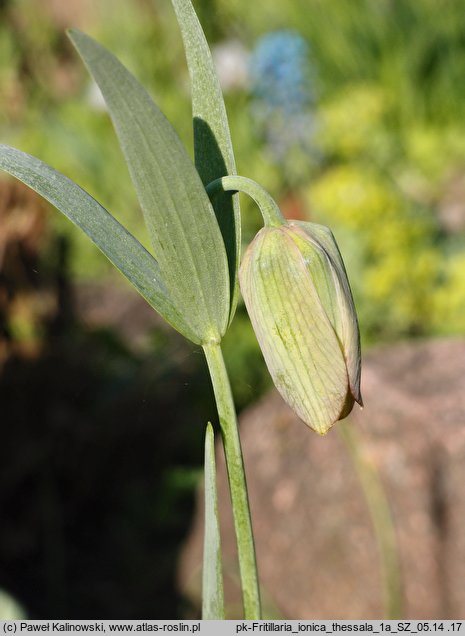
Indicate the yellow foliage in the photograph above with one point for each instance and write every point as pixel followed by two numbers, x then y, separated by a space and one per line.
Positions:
pixel 349 122
pixel 449 298
pixel 354 197
pixel 433 151
pixel 399 266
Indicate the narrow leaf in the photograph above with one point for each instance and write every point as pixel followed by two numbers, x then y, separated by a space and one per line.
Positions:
pixel 212 593
pixel 214 156
pixel 181 222
pixel 123 250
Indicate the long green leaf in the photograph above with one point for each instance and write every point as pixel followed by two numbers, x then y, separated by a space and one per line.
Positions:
pixel 212 585
pixel 214 156
pixel 123 250
pixel 182 225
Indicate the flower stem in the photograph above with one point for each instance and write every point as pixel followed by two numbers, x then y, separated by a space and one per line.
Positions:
pixel 237 481
pixel 269 209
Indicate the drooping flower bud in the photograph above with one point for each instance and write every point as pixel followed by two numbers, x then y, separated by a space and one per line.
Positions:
pixel 298 298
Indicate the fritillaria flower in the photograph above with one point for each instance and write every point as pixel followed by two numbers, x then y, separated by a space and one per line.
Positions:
pixel 299 300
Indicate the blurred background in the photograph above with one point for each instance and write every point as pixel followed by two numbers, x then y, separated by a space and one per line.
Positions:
pixel 350 112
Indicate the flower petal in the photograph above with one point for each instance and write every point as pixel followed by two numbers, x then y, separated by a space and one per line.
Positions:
pixel 298 342
pixel 347 324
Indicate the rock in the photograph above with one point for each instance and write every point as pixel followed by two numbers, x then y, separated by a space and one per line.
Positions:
pixel 316 547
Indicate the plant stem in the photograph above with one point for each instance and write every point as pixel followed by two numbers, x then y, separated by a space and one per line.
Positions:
pixel 237 481
pixel 381 517
pixel 269 209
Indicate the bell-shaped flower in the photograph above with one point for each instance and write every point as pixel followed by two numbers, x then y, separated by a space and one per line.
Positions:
pixel 299 300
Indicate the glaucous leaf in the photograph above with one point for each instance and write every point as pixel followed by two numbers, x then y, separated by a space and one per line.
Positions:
pixel 122 249
pixel 212 592
pixel 182 225
pixel 213 150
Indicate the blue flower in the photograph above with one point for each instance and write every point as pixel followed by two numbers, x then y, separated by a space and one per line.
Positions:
pixel 281 74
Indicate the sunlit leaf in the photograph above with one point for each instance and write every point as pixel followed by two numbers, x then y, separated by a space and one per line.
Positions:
pixel 123 250
pixel 213 598
pixel 214 156
pixel 182 225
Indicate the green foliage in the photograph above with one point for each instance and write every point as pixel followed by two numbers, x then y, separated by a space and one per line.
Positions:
pixel 178 214
pixel 214 155
pixel 139 267
pixel 188 281
pixel 388 141
pixel 414 50
pixel 389 121
pixel 381 191
pixel 389 130
pixel 392 258
pixel 449 298
pixel 212 588
pixel 353 123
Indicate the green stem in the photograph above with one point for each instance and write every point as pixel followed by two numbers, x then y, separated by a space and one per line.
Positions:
pixel 268 207
pixel 237 481
pixel 383 524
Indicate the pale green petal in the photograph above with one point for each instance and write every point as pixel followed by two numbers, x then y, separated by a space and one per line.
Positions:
pixel 298 342
pixel 346 323
pixel 321 270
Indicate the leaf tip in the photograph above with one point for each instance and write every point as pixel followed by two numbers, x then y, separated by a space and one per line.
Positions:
pixel 72 33
pixel 209 433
